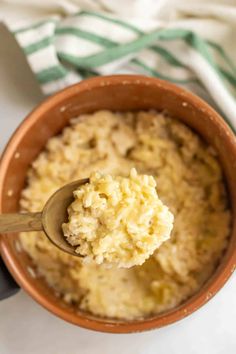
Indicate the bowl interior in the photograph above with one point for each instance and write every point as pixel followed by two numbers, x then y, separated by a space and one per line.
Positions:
pixel 121 93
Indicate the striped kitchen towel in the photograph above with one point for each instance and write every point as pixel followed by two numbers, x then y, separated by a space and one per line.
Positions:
pixel 189 44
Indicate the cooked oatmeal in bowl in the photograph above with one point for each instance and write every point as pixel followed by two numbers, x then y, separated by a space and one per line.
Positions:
pixel 189 181
pixel 111 125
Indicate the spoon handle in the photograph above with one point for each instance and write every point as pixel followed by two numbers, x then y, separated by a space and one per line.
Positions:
pixel 20 222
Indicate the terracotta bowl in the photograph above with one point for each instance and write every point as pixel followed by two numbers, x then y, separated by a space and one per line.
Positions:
pixel 116 93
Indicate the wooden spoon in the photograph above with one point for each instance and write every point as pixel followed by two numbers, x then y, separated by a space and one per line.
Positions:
pixel 50 220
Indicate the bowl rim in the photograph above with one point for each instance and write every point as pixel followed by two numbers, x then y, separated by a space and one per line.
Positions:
pixel 208 290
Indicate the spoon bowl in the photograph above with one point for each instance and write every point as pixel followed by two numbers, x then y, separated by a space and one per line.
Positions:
pixel 55 214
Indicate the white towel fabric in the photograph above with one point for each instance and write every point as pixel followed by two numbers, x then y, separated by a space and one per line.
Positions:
pixel 191 43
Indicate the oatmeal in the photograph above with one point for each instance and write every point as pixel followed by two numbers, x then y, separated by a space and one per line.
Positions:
pixel 117 221
pixel 189 181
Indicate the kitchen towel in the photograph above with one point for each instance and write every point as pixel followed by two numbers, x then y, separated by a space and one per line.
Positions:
pixel 190 43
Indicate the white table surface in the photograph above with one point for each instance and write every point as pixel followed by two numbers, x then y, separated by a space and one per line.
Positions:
pixel 27 328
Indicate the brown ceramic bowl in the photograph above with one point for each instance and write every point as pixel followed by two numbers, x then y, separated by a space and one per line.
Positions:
pixel 116 93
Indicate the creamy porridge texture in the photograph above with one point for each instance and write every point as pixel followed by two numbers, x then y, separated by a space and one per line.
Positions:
pixel 117 221
pixel 189 182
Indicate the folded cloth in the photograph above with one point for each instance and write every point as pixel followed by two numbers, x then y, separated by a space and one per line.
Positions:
pixel 189 43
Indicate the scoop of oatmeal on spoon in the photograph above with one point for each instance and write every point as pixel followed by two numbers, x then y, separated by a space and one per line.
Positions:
pixel 117 221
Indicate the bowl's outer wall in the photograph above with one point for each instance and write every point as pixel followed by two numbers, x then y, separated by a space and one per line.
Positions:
pixel 116 93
